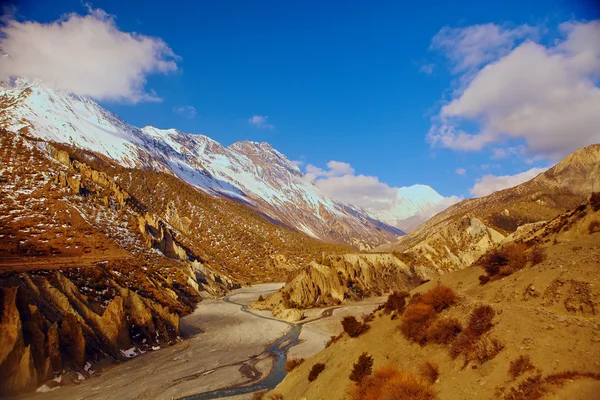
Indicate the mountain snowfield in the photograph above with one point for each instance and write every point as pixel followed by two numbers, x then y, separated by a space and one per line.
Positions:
pixel 251 172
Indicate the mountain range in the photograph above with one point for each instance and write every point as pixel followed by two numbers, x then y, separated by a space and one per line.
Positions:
pixel 253 173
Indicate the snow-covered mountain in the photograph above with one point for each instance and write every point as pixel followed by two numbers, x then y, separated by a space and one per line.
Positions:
pixel 251 172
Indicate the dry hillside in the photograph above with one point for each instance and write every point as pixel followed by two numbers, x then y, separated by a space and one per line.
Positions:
pixel 530 331
pixel 98 262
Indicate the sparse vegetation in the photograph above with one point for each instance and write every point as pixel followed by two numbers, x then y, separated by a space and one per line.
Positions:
pixel 415 321
pixel 293 363
pixel 485 349
pixel 315 371
pixel 505 261
pixel 440 297
pixel 363 367
pixel 422 312
pixel 391 383
pixel 480 320
pixel 595 201
pixel 519 366
pixel 430 371
pixel 535 387
pixel 444 330
pixel 537 255
pixel 353 327
pixel 333 339
pixel 396 302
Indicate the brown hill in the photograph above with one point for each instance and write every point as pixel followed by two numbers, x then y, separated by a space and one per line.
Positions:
pixel 456 237
pixel 98 262
pixel 530 332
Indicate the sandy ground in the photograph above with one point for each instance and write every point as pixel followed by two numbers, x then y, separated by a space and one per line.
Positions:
pixel 314 335
pixel 221 339
pixel 206 361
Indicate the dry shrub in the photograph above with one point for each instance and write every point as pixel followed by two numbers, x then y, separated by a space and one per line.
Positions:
pixel 503 262
pixel 463 344
pixel 293 363
pixel 444 330
pixel 430 371
pixel 594 227
pixel 480 320
pixel 485 349
pixel 537 255
pixel 315 371
pixel 535 387
pixel 595 201
pixel 363 367
pixel 415 321
pixel 483 279
pixel 396 302
pixel 333 339
pixel 353 327
pixel 519 366
pixel 440 297
pixel 393 384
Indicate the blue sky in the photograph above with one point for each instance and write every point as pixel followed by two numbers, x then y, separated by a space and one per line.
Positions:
pixel 357 82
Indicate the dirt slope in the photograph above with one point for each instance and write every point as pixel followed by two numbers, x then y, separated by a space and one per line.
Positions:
pixel 549 312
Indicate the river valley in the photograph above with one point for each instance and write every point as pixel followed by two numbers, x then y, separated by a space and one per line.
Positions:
pixel 229 353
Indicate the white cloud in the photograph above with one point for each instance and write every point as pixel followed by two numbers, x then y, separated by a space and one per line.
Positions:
pixel 260 121
pixel 461 171
pixel 546 97
pixel 188 111
pixel 86 54
pixel 491 183
pixel 339 182
pixel 473 46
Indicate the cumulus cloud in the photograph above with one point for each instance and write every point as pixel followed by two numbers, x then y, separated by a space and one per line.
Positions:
pixel 260 121
pixel 86 54
pixel 544 96
pixel 461 171
pixel 475 45
pixel 491 183
pixel 340 182
pixel 188 111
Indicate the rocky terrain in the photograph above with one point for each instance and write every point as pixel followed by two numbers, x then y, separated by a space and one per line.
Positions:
pixel 457 236
pixel 99 262
pixel 529 332
pixel 253 173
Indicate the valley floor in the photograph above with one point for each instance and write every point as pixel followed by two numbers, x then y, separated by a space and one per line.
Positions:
pixel 225 347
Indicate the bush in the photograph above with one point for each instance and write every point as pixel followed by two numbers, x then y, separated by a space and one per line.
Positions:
pixel 333 339
pixel 480 320
pixel 440 297
pixel 519 366
pixel 363 367
pixel 261 298
pixel 595 201
pixel 594 227
pixel 537 255
pixel 315 371
pixel 293 363
pixel 393 384
pixel 463 344
pixel 415 321
pixel 483 279
pixel 396 302
pixel 430 371
pixel 504 261
pixel 353 327
pixel 485 350
pixel 444 330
